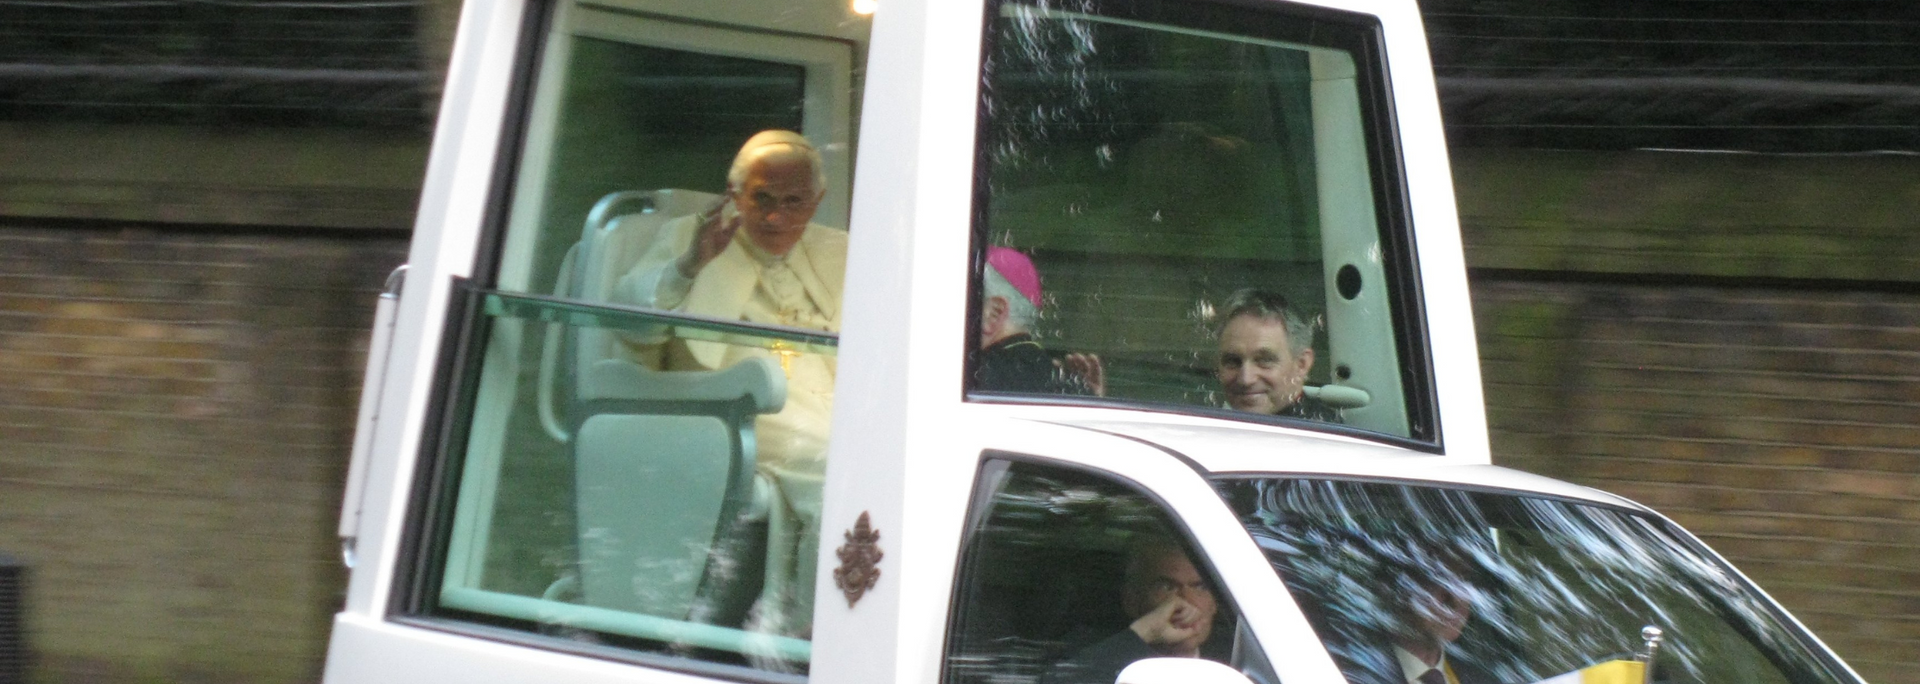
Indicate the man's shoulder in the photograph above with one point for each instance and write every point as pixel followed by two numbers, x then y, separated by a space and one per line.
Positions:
pixel 1469 673
pixel 1101 661
pixel 1019 364
pixel 825 236
pixel 827 247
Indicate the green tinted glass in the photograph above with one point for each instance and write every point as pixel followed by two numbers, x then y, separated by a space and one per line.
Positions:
pixel 1509 588
pixel 636 439
pixel 1184 205
pixel 606 499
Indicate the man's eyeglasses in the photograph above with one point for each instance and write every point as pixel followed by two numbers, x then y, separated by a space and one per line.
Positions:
pixel 766 201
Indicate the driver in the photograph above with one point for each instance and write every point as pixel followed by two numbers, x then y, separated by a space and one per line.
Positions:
pixel 1172 606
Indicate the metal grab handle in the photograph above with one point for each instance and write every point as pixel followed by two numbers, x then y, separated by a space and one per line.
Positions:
pixel 386 312
pixel 550 360
pixel 1339 396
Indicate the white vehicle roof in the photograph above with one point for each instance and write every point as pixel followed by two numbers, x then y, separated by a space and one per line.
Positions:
pixel 1218 446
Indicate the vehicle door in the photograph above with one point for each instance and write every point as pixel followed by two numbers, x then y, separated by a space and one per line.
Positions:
pixel 1127 167
pixel 1083 552
pixel 553 498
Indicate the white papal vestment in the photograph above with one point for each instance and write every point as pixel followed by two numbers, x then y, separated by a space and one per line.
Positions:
pixel 801 289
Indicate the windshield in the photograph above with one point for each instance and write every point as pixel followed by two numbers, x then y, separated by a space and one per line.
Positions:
pixel 1486 588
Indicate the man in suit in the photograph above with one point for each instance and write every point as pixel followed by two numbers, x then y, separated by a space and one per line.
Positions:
pixel 756 256
pixel 1435 610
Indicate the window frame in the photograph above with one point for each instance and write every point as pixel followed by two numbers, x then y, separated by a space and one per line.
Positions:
pixel 432 511
pixel 433 494
pixel 824 60
pixel 1366 42
pixel 998 463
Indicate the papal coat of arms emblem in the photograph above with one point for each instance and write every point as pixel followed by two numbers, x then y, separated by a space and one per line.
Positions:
pixel 859 560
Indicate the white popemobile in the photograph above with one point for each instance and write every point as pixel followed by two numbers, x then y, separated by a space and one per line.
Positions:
pixel 972 341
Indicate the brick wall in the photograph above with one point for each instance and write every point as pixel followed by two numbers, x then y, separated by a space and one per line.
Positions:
pixel 176 402
pixel 1767 398
pixel 1724 215
pixel 175 409
pixel 1781 426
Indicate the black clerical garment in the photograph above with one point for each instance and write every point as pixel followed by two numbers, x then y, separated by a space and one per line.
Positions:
pixel 1020 364
pixel 1312 409
pixel 1101 662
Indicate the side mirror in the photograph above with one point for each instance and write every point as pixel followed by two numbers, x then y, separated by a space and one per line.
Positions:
pixel 1180 671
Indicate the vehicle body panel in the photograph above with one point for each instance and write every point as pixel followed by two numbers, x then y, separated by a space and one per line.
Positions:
pixel 908 442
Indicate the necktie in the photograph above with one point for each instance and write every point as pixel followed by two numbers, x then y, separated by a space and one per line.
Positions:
pixel 1433 676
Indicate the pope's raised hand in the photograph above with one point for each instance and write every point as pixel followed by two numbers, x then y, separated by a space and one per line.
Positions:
pixel 1173 621
pixel 715 231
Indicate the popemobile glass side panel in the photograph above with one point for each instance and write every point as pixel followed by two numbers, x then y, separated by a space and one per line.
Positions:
pixel 1196 207
pixel 631 458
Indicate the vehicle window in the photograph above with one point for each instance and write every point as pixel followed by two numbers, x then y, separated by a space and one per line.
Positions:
pixel 1069 576
pixel 1400 580
pixel 1195 205
pixel 634 450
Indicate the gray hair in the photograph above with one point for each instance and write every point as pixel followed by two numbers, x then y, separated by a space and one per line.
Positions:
pixel 1021 313
pixel 771 142
pixel 1272 306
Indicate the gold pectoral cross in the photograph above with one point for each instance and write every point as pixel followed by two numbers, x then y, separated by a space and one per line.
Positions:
pixel 786 354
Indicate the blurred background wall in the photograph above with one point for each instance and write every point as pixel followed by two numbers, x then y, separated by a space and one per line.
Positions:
pixel 1689 225
pixel 1692 241
pixel 199 201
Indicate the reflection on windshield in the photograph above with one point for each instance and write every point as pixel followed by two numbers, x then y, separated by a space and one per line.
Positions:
pixel 1483 588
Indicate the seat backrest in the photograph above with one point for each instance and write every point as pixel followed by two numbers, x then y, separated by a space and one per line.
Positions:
pixel 663 463
pixel 619 230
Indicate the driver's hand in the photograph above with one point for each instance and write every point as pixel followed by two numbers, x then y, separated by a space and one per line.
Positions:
pixel 1173 621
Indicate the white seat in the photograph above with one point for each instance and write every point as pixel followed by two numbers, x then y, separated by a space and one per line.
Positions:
pixel 663 470
pixel 618 231
pixel 663 460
